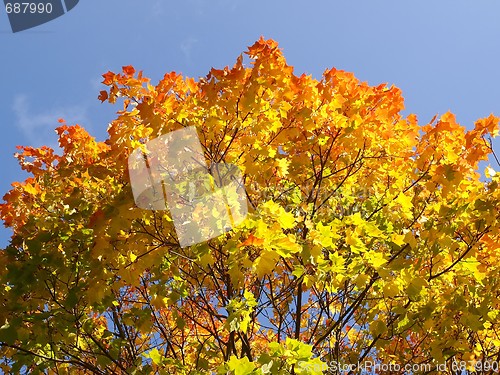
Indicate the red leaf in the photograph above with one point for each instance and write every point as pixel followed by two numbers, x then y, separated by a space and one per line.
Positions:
pixel 128 70
pixel 103 96
pixel 108 78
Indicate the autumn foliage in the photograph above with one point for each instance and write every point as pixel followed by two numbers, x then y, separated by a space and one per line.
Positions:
pixel 369 237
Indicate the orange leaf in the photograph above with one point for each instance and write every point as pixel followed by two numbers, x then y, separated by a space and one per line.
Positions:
pixel 108 78
pixel 252 240
pixel 128 70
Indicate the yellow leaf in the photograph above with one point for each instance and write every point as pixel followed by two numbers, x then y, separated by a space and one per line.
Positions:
pixel 391 289
pixel 265 263
pixel 206 259
pixel 286 220
pixel 159 302
pixel 361 280
pixel 398 239
pixel 30 189
pixel 373 231
pixel 409 238
pixel 353 240
pixel 405 203
pixel 240 366
pixel 155 356
pixel 375 258
pixel 285 246
pixel 282 167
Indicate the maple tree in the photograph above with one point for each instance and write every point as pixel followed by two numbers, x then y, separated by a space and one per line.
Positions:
pixel 369 237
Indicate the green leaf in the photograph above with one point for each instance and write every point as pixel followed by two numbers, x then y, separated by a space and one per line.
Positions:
pixel 8 333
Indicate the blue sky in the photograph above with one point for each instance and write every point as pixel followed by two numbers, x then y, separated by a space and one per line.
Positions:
pixel 443 54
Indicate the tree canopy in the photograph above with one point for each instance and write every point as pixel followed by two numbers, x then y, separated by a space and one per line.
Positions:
pixel 368 238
